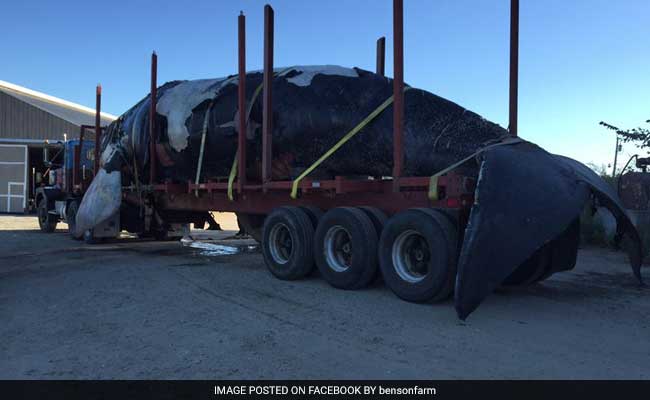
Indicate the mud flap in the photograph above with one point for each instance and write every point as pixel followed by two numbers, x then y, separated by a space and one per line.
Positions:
pixel 525 198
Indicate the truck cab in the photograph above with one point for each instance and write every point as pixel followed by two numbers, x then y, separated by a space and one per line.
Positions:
pixel 69 174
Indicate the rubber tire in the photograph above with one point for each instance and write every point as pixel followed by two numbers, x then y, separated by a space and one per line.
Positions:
pixel 314 214
pixel 252 224
pixel 450 224
pixel 46 221
pixel 301 260
pixel 71 216
pixel 377 217
pixel 363 265
pixel 440 235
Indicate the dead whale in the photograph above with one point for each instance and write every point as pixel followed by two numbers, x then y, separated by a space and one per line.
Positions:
pixel 522 227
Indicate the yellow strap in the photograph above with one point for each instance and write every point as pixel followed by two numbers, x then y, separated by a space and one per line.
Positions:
pixel 231 178
pixel 200 163
pixel 344 139
pixel 233 170
pixel 433 181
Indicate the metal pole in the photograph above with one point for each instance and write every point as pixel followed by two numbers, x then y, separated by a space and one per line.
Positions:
pixel 152 119
pixel 267 110
pixel 514 65
pixel 615 158
pixel 398 89
pixel 381 56
pixel 98 125
pixel 77 157
pixel 241 153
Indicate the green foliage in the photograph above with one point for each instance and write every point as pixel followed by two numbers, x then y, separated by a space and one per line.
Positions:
pixel 639 136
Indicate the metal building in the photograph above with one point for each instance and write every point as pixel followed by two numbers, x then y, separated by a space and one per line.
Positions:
pixel 29 120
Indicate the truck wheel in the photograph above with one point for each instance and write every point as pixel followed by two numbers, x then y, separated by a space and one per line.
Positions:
pixel 287 243
pixel 314 214
pixel 418 255
pixel 71 217
pixel 252 224
pixel 345 248
pixel 46 221
pixel 377 217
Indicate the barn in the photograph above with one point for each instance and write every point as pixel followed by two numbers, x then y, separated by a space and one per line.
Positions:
pixel 30 122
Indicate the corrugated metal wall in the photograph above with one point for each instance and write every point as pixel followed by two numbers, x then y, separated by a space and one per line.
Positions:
pixel 19 120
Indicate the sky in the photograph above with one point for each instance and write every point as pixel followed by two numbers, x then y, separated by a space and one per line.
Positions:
pixel 581 61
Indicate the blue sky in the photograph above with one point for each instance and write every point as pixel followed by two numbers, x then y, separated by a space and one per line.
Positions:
pixel 582 61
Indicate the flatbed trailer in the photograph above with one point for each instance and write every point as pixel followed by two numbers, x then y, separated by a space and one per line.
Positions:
pixel 409 226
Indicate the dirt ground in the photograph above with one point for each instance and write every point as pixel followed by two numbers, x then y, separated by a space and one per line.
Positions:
pixel 150 310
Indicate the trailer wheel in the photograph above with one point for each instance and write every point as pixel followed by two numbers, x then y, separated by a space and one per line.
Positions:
pixel 252 224
pixel 314 214
pixel 418 256
pixel 287 243
pixel 377 217
pixel 46 221
pixel 71 217
pixel 345 248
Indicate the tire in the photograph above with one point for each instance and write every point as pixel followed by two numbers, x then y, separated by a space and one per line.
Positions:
pixel 287 243
pixel 345 248
pixel 252 224
pixel 418 255
pixel 71 216
pixel 377 217
pixel 46 221
pixel 314 214
pixel 449 222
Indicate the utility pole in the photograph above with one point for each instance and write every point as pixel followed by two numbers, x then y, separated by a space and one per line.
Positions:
pixel 615 157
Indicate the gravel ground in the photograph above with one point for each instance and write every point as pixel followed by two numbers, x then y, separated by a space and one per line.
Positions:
pixel 149 310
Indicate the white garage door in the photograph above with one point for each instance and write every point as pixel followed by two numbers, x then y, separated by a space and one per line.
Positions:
pixel 13 178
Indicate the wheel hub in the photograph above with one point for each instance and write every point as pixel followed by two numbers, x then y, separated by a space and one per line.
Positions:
pixel 411 256
pixel 338 248
pixel 280 243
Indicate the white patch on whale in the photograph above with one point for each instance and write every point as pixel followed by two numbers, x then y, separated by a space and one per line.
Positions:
pixel 307 73
pixel 177 104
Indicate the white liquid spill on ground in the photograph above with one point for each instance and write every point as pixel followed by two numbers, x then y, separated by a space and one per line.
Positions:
pixel 213 249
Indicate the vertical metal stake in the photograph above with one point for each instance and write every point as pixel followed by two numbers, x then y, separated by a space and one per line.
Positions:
pixel 267 111
pixel 241 142
pixel 98 125
pixel 398 90
pixel 514 65
pixel 381 56
pixel 152 119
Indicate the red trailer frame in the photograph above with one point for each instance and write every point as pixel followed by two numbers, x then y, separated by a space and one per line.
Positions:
pixel 390 195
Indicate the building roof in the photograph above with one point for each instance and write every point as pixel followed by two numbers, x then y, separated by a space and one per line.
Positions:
pixel 74 113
